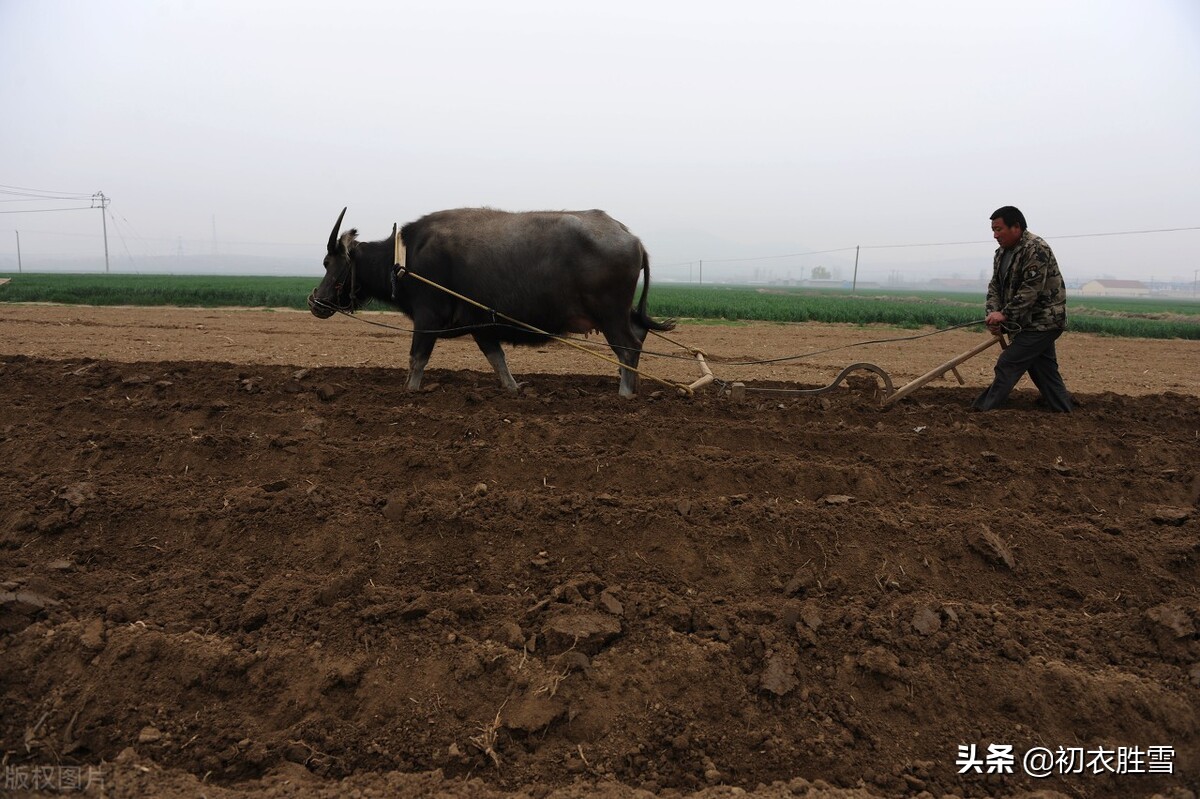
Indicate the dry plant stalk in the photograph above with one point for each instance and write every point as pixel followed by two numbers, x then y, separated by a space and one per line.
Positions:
pixel 485 741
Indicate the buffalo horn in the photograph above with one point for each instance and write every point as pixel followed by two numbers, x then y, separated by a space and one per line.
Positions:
pixel 336 227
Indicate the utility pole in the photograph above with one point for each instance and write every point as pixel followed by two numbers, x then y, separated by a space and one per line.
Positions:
pixel 1195 275
pixel 701 271
pixel 854 283
pixel 19 251
pixel 99 197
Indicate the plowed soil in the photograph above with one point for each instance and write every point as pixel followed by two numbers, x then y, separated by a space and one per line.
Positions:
pixel 238 559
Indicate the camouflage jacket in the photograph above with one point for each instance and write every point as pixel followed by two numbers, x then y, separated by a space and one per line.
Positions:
pixel 1032 294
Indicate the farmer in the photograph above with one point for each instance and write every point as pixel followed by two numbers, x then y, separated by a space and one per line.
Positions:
pixel 1026 297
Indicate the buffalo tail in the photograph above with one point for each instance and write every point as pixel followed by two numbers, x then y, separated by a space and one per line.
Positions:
pixel 640 312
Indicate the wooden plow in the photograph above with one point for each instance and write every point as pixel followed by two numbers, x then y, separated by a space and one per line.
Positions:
pixel 890 394
pixel 949 366
pixel 706 374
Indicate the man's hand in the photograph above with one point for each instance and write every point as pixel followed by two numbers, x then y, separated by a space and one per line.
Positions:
pixel 993 322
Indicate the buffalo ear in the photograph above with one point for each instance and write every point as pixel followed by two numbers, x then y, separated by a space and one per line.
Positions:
pixel 346 243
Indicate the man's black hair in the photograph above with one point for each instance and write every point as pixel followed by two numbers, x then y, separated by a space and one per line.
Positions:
pixel 1011 215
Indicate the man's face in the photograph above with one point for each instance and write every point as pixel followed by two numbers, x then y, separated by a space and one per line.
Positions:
pixel 1004 235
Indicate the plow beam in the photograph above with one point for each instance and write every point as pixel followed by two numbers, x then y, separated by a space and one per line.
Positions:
pixel 949 366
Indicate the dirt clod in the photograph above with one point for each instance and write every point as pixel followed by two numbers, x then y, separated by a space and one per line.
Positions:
pixel 992 547
pixel 586 631
pixel 926 621
pixel 1161 514
pixel 778 678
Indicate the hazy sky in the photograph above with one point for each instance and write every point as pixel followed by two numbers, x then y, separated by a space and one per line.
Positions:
pixel 714 131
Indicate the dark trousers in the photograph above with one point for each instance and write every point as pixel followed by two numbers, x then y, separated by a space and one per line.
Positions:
pixel 1030 351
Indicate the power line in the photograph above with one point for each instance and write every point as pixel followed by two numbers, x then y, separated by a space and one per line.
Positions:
pixel 26 194
pixel 26 188
pixel 12 189
pixel 23 194
pixel 1070 236
pixel 117 228
pixel 17 194
pixel 48 210
pixel 1126 233
pixel 927 244
pixel 933 244
pixel 48 199
pixel 21 197
pixel 771 257
pixel 903 246
pixel 56 233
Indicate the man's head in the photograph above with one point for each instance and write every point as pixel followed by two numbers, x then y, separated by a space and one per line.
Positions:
pixel 1008 223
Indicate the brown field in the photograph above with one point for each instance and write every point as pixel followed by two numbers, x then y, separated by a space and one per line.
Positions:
pixel 237 559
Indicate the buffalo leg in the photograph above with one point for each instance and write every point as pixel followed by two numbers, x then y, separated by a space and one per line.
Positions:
pixel 639 330
pixel 628 348
pixel 418 356
pixel 495 355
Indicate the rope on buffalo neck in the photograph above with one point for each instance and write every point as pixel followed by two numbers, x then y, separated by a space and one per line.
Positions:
pixel 402 271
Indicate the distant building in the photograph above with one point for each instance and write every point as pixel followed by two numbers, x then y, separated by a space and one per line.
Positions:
pixel 1114 288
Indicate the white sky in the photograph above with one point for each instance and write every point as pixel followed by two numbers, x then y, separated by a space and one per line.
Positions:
pixel 714 131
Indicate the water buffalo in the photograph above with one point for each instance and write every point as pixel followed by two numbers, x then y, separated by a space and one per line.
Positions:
pixel 559 271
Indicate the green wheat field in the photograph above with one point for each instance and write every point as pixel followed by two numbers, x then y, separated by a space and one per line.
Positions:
pixel 1135 318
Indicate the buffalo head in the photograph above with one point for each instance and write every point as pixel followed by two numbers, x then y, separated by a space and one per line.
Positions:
pixel 338 291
